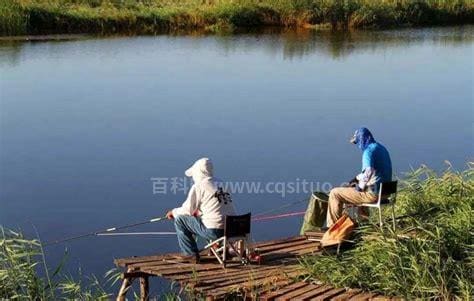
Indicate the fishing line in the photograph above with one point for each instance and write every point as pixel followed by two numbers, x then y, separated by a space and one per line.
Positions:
pixel 271 217
pixel 96 233
pixel 135 233
pixel 280 208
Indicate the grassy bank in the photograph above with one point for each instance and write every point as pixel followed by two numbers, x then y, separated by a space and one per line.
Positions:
pixel 429 256
pixel 150 16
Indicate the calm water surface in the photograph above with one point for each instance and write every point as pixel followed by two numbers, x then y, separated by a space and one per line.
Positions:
pixel 85 124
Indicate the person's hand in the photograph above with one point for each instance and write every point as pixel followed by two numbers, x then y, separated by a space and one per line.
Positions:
pixel 169 215
pixel 353 182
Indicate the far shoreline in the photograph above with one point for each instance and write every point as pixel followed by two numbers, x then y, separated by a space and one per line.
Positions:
pixel 101 17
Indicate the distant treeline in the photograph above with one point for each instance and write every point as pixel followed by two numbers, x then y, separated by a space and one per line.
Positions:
pixel 150 16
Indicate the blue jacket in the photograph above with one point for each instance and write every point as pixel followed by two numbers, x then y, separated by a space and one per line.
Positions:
pixel 376 162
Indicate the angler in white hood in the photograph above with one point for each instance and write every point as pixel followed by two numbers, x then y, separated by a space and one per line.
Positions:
pixel 204 210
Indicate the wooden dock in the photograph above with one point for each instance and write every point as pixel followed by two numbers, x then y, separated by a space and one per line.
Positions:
pixel 275 278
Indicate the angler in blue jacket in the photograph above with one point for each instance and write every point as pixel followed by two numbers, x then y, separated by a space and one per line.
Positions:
pixel 376 169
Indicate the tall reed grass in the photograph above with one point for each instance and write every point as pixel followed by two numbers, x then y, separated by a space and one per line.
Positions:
pixel 24 274
pixel 150 16
pixel 430 253
pixel 13 20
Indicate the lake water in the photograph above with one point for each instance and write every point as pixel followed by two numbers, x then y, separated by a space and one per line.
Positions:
pixel 85 124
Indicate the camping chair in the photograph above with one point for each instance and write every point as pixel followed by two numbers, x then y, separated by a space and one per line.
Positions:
pixel 387 195
pixel 236 227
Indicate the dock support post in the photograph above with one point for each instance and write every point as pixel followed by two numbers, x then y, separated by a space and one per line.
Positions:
pixel 144 288
pixel 123 289
pixel 126 283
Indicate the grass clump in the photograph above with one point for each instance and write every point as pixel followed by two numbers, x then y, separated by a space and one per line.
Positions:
pixel 13 20
pixel 151 16
pixel 22 261
pixel 24 275
pixel 428 256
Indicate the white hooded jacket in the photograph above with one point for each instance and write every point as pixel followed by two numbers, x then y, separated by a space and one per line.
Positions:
pixel 206 196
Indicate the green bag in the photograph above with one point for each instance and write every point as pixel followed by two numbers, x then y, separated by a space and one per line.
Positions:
pixel 315 215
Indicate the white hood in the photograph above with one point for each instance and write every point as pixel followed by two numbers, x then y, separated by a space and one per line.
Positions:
pixel 201 169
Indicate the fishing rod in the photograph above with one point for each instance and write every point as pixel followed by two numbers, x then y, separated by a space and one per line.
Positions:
pixel 111 231
pixel 102 232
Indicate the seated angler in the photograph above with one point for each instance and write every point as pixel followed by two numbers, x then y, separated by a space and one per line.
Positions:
pixel 203 212
pixel 376 169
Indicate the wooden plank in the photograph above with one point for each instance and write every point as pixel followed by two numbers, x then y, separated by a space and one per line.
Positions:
pixel 294 254
pixel 271 248
pixel 314 233
pixel 170 261
pixel 231 274
pixel 207 281
pixel 363 297
pixel 163 262
pixel 247 278
pixel 278 241
pixel 183 270
pixel 282 291
pixel 321 289
pixel 246 286
pixel 228 270
pixel 381 298
pixel 134 274
pixel 230 280
pixel 293 250
pixel 179 266
pixel 134 259
pixel 329 294
pixel 210 273
pixel 255 292
pixel 150 258
pixel 348 294
pixel 295 293
pixel 270 287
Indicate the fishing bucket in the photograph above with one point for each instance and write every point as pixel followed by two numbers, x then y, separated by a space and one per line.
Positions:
pixel 315 216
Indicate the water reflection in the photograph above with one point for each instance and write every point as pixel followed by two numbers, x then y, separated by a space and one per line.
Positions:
pixel 294 44
pixel 291 44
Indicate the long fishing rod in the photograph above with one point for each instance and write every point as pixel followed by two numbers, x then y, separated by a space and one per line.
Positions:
pixel 254 219
pixel 101 232
pixel 109 232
